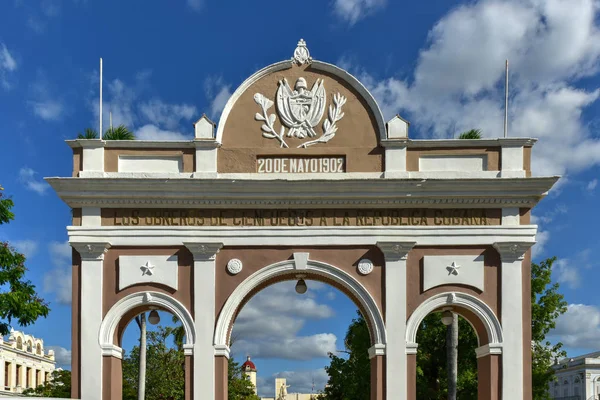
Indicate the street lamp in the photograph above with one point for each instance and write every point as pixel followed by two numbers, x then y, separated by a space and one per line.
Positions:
pixel 447 317
pixel 154 318
pixel 301 287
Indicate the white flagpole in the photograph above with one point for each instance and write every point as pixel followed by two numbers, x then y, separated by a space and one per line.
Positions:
pixel 100 98
pixel 506 103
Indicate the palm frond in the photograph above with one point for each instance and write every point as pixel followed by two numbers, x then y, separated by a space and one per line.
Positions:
pixel 471 134
pixel 119 133
pixel 88 133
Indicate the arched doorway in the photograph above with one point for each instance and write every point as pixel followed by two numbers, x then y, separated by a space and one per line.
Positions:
pixel 486 326
pixel 301 266
pixel 116 321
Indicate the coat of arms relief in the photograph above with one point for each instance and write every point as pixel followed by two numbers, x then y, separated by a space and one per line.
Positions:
pixel 300 109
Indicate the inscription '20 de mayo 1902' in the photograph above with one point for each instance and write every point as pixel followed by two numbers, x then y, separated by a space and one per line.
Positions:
pixel 299 165
pixel 401 217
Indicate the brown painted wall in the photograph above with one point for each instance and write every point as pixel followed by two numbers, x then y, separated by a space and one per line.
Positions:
pixel 185 278
pixel 111 156
pixel 411 372
pixel 525 214
pixel 413 154
pixel 221 367
pixel 76 216
pixel 253 259
pixel 75 324
pixel 378 378
pixel 527 160
pixel 112 378
pixel 189 377
pixel 356 138
pixel 488 376
pixel 77 161
pixel 491 294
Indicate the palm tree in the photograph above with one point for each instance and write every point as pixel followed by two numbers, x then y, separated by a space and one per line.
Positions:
pixel 118 133
pixel 471 134
pixel 88 133
pixel 178 333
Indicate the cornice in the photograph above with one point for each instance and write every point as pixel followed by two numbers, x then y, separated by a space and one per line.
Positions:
pixel 512 251
pixel 394 251
pixel 92 250
pixel 203 251
pixel 249 193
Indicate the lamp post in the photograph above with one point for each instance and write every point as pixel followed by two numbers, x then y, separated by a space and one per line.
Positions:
pixel 450 319
pixel 301 287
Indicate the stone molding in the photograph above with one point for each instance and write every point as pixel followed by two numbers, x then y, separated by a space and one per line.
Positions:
pixel 91 251
pixel 203 251
pixel 488 349
pixel 377 350
pixel 222 350
pixel 394 251
pixel 512 251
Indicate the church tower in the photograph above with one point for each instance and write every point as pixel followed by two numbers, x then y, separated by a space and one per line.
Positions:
pixel 249 369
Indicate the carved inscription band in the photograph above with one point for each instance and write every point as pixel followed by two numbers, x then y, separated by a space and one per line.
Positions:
pixel 386 217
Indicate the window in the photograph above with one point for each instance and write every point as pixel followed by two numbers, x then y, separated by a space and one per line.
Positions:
pixel 6 375
pixel 39 349
pixel 38 377
pixel 29 346
pixel 18 383
pixel 19 343
pixel 46 375
pixel 28 377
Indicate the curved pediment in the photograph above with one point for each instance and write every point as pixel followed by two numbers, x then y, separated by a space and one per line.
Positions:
pixel 301 107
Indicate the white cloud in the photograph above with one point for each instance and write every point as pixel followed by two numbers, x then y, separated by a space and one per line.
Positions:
pixel 195 5
pixel 296 348
pixel 61 355
pixel 43 100
pixel 58 280
pixel 49 110
pixel 592 184
pixel 541 239
pixel 27 178
pixel 26 247
pixel 153 132
pixel 8 66
pixel 566 272
pixel 458 80
pixel 150 119
pixel 579 327
pixel 353 10
pixel 218 93
pixel 307 381
pixel 268 325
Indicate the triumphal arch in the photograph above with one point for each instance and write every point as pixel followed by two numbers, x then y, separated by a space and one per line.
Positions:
pixel 302 178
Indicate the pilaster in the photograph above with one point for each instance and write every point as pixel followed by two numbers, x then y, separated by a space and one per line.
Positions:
pixel 395 254
pixel 92 258
pixel 204 317
pixel 512 254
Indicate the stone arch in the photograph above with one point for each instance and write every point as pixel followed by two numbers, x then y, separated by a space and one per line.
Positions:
pixel 317 65
pixel 314 269
pixel 471 303
pixel 161 300
pixel 19 343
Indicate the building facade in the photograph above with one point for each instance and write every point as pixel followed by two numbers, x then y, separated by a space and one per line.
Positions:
pixel 577 378
pixel 281 386
pixel 303 179
pixel 23 363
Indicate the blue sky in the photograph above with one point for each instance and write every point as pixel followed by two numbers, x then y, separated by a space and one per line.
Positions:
pixel 439 64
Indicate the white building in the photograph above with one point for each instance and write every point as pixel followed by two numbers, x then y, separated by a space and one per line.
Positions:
pixel 577 378
pixel 23 363
pixel 281 386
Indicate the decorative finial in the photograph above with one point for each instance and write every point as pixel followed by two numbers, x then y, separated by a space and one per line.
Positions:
pixel 301 54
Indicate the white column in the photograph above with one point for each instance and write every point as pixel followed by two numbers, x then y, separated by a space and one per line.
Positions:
pixel 13 376
pixel 512 254
pixel 395 316
pixel 204 317
pixel 2 383
pixel 92 257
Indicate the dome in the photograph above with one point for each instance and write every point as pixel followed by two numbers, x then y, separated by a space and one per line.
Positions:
pixel 248 365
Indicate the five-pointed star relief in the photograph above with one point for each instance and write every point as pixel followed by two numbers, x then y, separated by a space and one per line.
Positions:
pixel 147 269
pixel 453 268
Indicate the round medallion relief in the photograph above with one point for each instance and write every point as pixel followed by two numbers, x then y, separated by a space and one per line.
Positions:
pixel 365 266
pixel 234 266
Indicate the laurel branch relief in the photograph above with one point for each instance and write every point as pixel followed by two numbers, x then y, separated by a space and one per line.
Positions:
pixel 300 110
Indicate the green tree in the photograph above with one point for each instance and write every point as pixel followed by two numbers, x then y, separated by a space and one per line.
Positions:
pixel 18 298
pixel 119 133
pixel 350 378
pixel 59 385
pixel 547 304
pixel 239 386
pixel 471 134
pixel 165 369
pixel 88 133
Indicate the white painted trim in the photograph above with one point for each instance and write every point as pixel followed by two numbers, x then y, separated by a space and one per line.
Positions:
pixel 457 299
pixel 112 350
pixel 120 308
pixel 222 350
pixel 302 236
pixel 511 216
pixel 314 268
pixel 376 350
pixel 90 216
pixel 488 349
pixel 315 65
pixel 150 163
